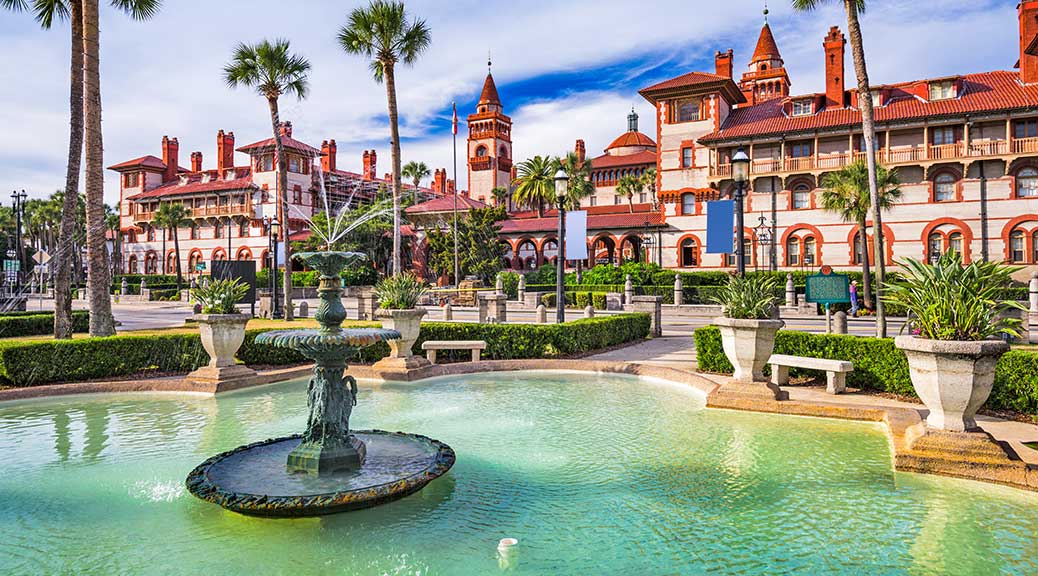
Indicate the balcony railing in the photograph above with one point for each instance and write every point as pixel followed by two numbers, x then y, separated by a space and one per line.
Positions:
pixel 481 163
pixel 202 212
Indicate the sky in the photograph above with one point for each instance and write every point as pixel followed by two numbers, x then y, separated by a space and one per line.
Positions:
pixel 564 69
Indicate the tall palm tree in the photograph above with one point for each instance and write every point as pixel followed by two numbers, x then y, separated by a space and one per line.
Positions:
pixel 535 183
pixel 382 33
pixel 846 194
pixel 171 216
pixel 578 187
pixel 628 186
pixel 868 125
pixel 649 182
pixel 273 70
pixel 102 323
pixel 416 172
pixel 499 194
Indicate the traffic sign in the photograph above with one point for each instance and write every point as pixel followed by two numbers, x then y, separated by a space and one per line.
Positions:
pixel 828 288
pixel 12 266
pixel 41 257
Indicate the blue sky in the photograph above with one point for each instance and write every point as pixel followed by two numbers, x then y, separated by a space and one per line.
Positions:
pixel 565 70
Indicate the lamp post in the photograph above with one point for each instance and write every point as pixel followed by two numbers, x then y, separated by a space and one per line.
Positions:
pixel 273 228
pixel 763 231
pixel 741 175
pixel 19 210
pixel 561 183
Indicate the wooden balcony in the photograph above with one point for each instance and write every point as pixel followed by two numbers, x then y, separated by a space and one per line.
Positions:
pixel 202 212
pixel 481 163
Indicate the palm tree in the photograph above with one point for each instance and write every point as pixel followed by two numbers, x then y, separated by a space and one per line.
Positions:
pixel 579 185
pixel 171 216
pixel 628 186
pixel 649 182
pixel 382 33
pixel 499 194
pixel 852 8
pixel 535 183
pixel 272 70
pixel 846 194
pixel 416 171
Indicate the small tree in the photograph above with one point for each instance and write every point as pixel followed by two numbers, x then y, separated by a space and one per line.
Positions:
pixel 416 172
pixel 171 216
pixel 628 186
pixel 535 183
pixel 479 248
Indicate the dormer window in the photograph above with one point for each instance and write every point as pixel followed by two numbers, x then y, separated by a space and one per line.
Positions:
pixel 877 99
pixel 685 111
pixel 205 178
pixel 131 180
pixel 942 90
pixel 229 175
pixel 183 180
pixel 265 163
pixel 803 107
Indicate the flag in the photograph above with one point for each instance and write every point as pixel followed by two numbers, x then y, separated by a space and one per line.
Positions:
pixel 454 121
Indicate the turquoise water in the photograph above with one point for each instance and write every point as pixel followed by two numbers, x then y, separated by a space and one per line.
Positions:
pixel 592 474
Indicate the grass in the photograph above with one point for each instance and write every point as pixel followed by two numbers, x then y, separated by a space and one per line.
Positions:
pixel 255 323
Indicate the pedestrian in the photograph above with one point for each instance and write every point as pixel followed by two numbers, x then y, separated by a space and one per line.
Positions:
pixel 854 299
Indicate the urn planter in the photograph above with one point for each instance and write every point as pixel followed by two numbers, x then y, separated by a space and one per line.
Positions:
pixel 408 323
pixel 748 345
pixel 222 335
pixel 953 378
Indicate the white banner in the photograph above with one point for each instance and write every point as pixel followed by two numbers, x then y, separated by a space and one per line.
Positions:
pixel 576 235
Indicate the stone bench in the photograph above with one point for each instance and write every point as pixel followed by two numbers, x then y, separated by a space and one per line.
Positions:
pixel 431 346
pixel 835 370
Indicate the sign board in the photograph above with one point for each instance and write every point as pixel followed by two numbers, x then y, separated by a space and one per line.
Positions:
pixel 576 235
pixel 241 270
pixel 41 257
pixel 720 226
pixel 12 266
pixel 828 288
pixel 200 267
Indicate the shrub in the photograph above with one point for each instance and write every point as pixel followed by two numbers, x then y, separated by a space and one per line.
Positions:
pixel 510 284
pixel 17 324
pixel 599 300
pixel 220 296
pixel 879 365
pixel 543 275
pixel 400 292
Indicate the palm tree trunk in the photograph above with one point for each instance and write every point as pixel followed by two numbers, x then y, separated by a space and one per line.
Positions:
pixel 165 232
pixel 394 137
pixel 98 273
pixel 866 282
pixel 176 255
pixel 282 200
pixel 869 135
pixel 630 202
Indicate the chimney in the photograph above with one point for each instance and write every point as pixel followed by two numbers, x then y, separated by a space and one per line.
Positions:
pixel 370 165
pixel 439 185
pixel 580 150
pixel 834 45
pixel 286 129
pixel 170 150
pixel 328 156
pixel 332 151
pixel 196 161
pixel 723 63
pixel 1028 31
pixel 224 152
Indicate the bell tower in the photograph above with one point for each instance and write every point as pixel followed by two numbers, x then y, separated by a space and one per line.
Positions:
pixel 489 143
pixel 766 78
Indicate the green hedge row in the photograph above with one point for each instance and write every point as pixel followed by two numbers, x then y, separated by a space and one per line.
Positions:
pixel 879 365
pixel 19 324
pixel 34 363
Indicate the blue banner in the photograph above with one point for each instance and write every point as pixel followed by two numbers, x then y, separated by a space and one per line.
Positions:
pixel 720 227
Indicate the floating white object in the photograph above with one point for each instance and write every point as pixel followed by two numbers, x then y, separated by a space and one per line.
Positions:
pixel 506 543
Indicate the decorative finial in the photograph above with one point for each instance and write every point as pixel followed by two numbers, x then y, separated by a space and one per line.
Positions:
pixel 765 11
pixel 489 62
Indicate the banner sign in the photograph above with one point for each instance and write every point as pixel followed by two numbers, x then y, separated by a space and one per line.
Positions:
pixel 828 288
pixel 720 222
pixel 576 235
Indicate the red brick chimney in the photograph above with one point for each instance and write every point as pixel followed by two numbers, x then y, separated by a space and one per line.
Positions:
pixel 834 45
pixel 170 151
pixel 328 150
pixel 723 63
pixel 286 129
pixel 196 161
pixel 370 165
pixel 580 150
pixel 1028 32
pixel 224 151
pixel 439 184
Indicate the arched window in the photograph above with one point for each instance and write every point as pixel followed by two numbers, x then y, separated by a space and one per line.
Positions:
pixel 1034 246
pixel 194 231
pixel 503 152
pixel 801 197
pixel 859 249
pixel 793 251
pixel 481 152
pixel 132 264
pixel 1016 246
pixel 194 261
pixel 955 243
pixel 688 204
pixel 171 263
pixel 1027 183
pixel 151 234
pixel 689 253
pixel 218 230
pixel 243 229
pixel 810 249
pixel 944 187
pixel 934 246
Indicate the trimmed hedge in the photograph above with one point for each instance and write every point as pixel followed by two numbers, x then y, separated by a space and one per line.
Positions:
pixel 879 365
pixel 35 363
pixel 16 324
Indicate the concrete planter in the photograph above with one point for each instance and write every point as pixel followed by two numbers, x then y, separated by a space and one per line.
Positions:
pixel 748 345
pixel 953 378
pixel 408 323
pixel 222 335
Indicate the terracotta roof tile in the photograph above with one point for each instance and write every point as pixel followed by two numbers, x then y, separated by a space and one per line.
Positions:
pixel 489 94
pixel 445 204
pixel 609 161
pixel 595 221
pixel 287 142
pixel 632 138
pixel 767 49
pixel 685 80
pixel 195 185
pixel 148 161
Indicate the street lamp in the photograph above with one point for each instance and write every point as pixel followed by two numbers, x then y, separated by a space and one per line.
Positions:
pixel 763 231
pixel 273 228
pixel 18 203
pixel 561 183
pixel 741 175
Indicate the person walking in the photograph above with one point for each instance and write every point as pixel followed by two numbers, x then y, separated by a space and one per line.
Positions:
pixel 854 299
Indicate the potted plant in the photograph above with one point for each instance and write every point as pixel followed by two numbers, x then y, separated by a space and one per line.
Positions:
pixel 398 308
pixel 748 329
pixel 957 324
pixel 222 329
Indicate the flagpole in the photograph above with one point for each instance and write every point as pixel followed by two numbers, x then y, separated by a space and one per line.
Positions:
pixel 454 131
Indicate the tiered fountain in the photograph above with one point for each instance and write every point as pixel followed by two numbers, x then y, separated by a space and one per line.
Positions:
pixel 328 468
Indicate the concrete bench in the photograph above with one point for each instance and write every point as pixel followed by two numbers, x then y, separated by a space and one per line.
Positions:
pixel 431 346
pixel 835 370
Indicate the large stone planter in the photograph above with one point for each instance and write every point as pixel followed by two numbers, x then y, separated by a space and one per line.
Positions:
pixel 953 378
pixel 408 323
pixel 748 345
pixel 222 335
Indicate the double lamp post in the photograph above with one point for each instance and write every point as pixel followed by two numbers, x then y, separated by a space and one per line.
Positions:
pixel 273 228
pixel 741 176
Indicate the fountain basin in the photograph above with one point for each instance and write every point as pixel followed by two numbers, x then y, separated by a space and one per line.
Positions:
pixel 253 480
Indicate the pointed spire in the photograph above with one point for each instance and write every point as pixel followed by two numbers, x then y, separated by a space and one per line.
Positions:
pixel 767 48
pixel 489 94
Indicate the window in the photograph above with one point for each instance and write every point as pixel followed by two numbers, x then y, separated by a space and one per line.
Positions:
pixel 685 111
pixel 132 264
pixel 131 180
pixel 942 90
pixel 243 229
pixel 944 187
pixel 218 230
pixel 686 157
pixel 943 135
pixel 877 99
pixel 1016 246
pixel 955 243
pixel 801 197
pixel 265 163
pixel 194 232
pixel 617 200
pixel 809 251
pixel 934 246
pixel 803 107
pixel 1027 183
pixel 689 253
pixel 1034 246
pixel 481 152
pixel 293 164
pixel 800 150
pixel 793 252
pixel 688 204
pixel 642 196
pixel 1026 128
pixel 151 234
pixel 297 196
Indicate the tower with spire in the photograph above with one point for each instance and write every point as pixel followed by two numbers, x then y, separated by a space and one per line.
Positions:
pixel 489 143
pixel 766 78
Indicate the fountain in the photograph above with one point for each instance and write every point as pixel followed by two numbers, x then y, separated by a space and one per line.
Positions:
pixel 328 468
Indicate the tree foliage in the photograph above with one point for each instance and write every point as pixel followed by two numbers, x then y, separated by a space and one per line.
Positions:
pixel 479 250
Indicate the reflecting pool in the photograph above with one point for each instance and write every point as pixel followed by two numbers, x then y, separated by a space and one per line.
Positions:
pixel 592 474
